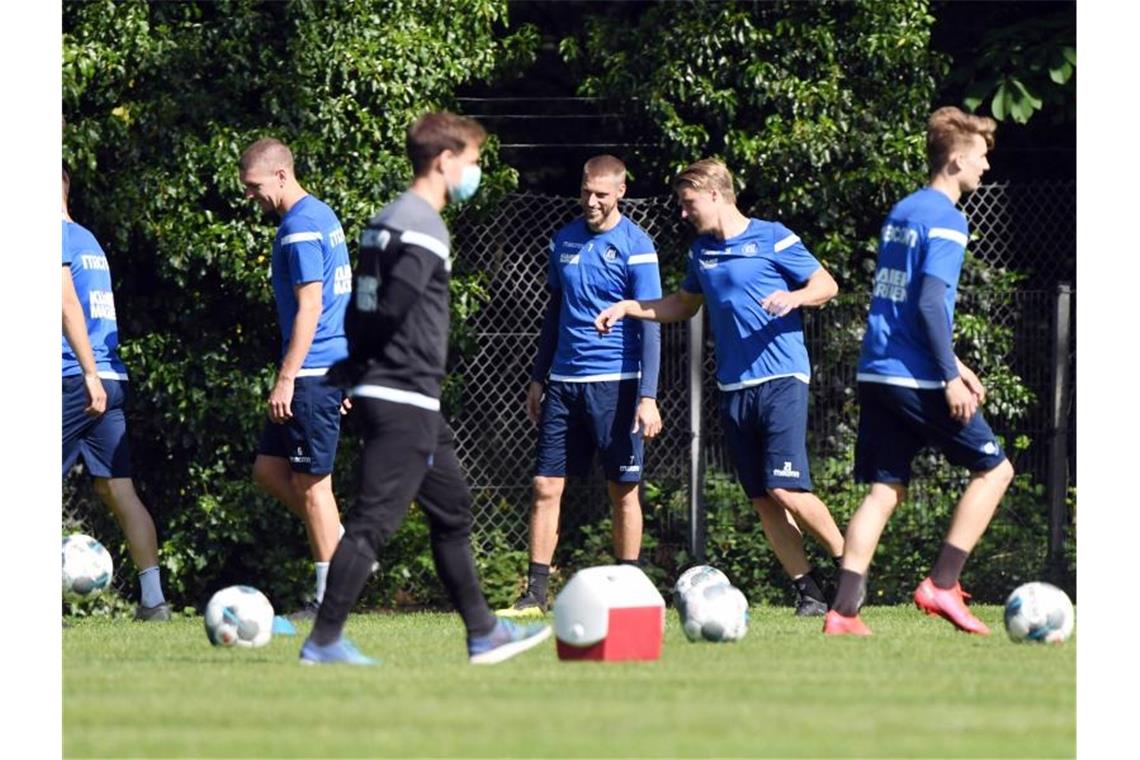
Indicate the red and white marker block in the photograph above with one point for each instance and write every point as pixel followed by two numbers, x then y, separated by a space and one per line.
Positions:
pixel 610 612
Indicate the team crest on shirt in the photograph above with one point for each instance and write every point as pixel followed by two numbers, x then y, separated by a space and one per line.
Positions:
pixel 610 254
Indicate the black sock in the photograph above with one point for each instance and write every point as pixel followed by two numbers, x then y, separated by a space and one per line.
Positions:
pixel 348 571
pixel 807 585
pixel 847 595
pixel 633 562
pixel 536 580
pixel 455 565
pixel 948 567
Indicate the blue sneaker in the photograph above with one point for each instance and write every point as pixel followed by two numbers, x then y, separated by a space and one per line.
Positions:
pixel 505 641
pixel 282 627
pixel 340 651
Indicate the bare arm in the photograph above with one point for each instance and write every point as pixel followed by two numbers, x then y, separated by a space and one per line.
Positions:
pixel 304 328
pixel 675 307
pixel 75 330
pixel 818 290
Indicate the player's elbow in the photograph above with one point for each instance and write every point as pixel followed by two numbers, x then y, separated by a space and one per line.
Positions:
pixel 829 287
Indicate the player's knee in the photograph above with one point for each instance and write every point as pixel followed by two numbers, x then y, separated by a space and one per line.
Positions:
pixel 768 509
pixel 103 490
pixel 1002 475
pixel 315 489
pixel 361 541
pixel 458 529
pixel 547 490
pixel 262 475
pixel 886 496
pixel 786 499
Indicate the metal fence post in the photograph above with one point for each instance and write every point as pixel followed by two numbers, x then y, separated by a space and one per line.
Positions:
pixel 1058 484
pixel 696 461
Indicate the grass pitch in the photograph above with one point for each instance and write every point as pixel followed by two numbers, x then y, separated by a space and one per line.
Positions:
pixel 917 688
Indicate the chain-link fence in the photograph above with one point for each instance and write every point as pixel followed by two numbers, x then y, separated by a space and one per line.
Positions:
pixel 1024 228
pixel 1030 229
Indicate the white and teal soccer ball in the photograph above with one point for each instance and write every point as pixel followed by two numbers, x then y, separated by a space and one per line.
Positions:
pixel 695 577
pixel 87 566
pixel 1039 612
pixel 715 612
pixel 239 616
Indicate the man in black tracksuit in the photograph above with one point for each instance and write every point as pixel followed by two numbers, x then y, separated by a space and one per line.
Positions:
pixel 397 327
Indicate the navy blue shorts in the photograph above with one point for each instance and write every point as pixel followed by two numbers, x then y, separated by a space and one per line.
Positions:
pixel 765 428
pixel 895 422
pixel 102 440
pixel 309 439
pixel 581 418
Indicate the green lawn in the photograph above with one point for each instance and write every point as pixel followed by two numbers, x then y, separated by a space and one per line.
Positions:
pixel 916 689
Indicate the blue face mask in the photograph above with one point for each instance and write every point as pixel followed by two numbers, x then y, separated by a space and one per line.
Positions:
pixel 468 184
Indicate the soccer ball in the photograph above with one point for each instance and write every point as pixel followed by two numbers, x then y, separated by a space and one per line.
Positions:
pixel 715 612
pixel 1039 612
pixel 87 566
pixel 692 579
pixel 239 616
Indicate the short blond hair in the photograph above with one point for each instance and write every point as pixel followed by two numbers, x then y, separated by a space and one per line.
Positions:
pixel 948 129
pixel 268 152
pixel 605 165
pixel 707 174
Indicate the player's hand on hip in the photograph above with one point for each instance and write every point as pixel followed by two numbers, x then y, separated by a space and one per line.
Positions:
pixel 96 396
pixel 963 403
pixel 534 400
pixel 779 303
pixel 281 400
pixel 647 419
pixel 610 316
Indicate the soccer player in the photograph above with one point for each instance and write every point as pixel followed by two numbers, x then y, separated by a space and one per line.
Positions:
pixel 754 276
pixel 312 283
pixel 94 393
pixel 913 390
pixel 590 392
pixel 398 329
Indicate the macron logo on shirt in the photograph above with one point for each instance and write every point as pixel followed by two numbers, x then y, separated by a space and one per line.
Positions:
pixel 94 262
pixel 892 233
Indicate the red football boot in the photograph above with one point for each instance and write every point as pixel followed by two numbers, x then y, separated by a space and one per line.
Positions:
pixel 835 624
pixel 949 603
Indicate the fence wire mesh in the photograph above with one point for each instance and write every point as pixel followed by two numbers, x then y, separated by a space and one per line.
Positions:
pixel 1030 229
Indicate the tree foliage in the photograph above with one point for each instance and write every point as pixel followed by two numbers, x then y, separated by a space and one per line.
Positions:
pixel 159 101
pixel 1024 68
pixel 818 108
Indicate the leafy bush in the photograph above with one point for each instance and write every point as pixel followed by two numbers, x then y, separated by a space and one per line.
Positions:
pixel 159 101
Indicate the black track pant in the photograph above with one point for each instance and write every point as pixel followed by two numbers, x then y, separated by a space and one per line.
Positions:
pixel 409 455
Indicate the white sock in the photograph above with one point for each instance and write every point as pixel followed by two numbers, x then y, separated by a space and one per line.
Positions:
pixel 151 586
pixel 322 569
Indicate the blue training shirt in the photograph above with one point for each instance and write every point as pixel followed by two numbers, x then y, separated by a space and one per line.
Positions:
pixel 594 270
pixel 734 276
pixel 92 278
pixel 310 247
pixel 924 234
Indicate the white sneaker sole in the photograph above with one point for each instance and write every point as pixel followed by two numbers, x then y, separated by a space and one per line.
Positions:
pixel 507 651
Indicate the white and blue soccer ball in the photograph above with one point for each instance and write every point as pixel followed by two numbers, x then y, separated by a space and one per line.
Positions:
pixel 87 566
pixel 239 616
pixel 693 578
pixel 715 612
pixel 1039 612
